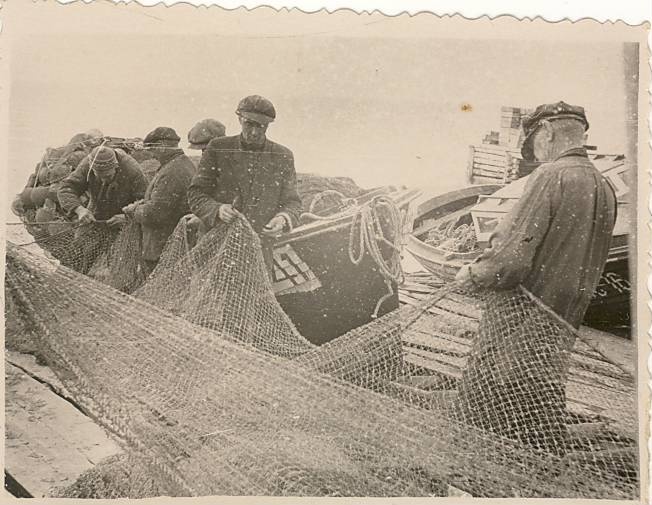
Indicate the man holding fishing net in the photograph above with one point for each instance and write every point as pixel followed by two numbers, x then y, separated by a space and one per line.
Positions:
pixel 554 243
pixel 37 205
pixel 248 175
pixel 113 180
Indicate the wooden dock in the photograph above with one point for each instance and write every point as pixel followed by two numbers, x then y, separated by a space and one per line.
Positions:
pixel 601 386
pixel 48 441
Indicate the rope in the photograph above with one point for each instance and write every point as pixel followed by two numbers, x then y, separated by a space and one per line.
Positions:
pixel 349 205
pixel 371 235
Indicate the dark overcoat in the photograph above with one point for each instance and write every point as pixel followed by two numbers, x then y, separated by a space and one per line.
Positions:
pixel 105 200
pixel 555 240
pixel 165 202
pixel 261 182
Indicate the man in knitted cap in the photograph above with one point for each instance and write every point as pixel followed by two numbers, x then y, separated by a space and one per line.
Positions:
pixel 165 199
pixel 113 180
pixel 248 174
pixel 554 242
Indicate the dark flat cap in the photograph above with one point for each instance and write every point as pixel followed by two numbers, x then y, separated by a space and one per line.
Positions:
pixel 205 131
pixel 256 108
pixel 552 111
pixel 160 134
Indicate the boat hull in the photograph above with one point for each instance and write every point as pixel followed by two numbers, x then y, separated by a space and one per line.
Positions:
pixel 318 285
pixel 610 305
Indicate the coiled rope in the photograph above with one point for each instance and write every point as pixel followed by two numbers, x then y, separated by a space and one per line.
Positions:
pixel 370 235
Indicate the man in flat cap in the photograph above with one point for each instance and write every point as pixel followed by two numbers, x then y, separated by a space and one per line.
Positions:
pixel 554 242
pixel 112 179
pixel 165 200
pixel 203 132
pixel 248 174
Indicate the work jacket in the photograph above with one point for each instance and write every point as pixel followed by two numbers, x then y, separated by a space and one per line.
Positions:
pixel 105 200
pixel 165 202
pixel 556 239
pixel 260 182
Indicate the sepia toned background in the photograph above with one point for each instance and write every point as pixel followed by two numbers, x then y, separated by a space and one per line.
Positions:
pixel 356 98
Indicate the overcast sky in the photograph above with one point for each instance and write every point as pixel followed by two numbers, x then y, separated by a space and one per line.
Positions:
pixel 369 100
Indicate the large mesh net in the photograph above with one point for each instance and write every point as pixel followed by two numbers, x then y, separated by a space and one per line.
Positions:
pixel 211 390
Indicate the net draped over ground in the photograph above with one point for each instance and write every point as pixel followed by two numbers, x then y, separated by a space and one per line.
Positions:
pixel 212 391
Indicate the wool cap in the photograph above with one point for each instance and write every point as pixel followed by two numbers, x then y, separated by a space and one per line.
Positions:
pixel 159 135
pixel 205 131
pixel 548 112
pixel 256 108
pixel 552 111
pixel 103 158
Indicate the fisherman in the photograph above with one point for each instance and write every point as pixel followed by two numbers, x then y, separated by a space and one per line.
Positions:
pixel 165 199
pixel 55 166
pixel 113 180
pixel 203 132
pixel 248 174
pixel 554 242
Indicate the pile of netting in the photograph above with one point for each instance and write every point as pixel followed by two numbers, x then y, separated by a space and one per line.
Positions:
pixel 323 195
pixel 454 238
pixel 211 390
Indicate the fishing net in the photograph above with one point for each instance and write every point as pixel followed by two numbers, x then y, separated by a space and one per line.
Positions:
pixel 212 391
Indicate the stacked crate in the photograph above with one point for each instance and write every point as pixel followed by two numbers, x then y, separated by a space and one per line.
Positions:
pixel 497 159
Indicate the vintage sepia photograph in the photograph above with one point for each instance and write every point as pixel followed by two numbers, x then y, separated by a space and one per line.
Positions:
pixel 266 253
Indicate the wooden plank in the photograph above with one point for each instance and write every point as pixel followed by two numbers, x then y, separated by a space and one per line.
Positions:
pixel 480 179
pixel 433 366
pixel 497 160
pixel 488 161
pixel 27 362
pixel 488 170
pixel 48 442
pixel 427 330
pixel 459 308
pixel 436 343
pixel 496 148
pixel 412 287
pixel 440 357
pixel 618 350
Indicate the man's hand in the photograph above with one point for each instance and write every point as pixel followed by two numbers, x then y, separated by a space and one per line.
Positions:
pixel 17 206
pixel 84 215
pixel 192 221
pixel 117 220
pixel 463 278
pixel 130 209
pixel 227 213
pixel 275 227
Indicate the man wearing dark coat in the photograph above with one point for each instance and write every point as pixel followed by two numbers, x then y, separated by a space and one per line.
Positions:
pixel 38 202
pixel 165 199
pixel 554 242
pixel 113 180
pixel 248 174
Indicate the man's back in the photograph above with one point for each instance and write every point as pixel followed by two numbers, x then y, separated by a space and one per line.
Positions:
pixel 556 240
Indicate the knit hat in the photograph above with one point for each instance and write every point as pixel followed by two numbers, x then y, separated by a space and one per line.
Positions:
pixel 103 158
pixel 205 131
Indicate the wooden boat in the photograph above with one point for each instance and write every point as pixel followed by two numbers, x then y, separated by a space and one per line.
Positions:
pixel 478 209
pixel 317 283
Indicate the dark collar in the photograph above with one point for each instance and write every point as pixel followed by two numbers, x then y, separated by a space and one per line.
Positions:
pixel 575 151
pixel 250 147
pixel 167 157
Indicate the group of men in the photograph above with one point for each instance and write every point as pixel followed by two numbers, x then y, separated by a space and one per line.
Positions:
pixel 245 174
pixel 554 242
